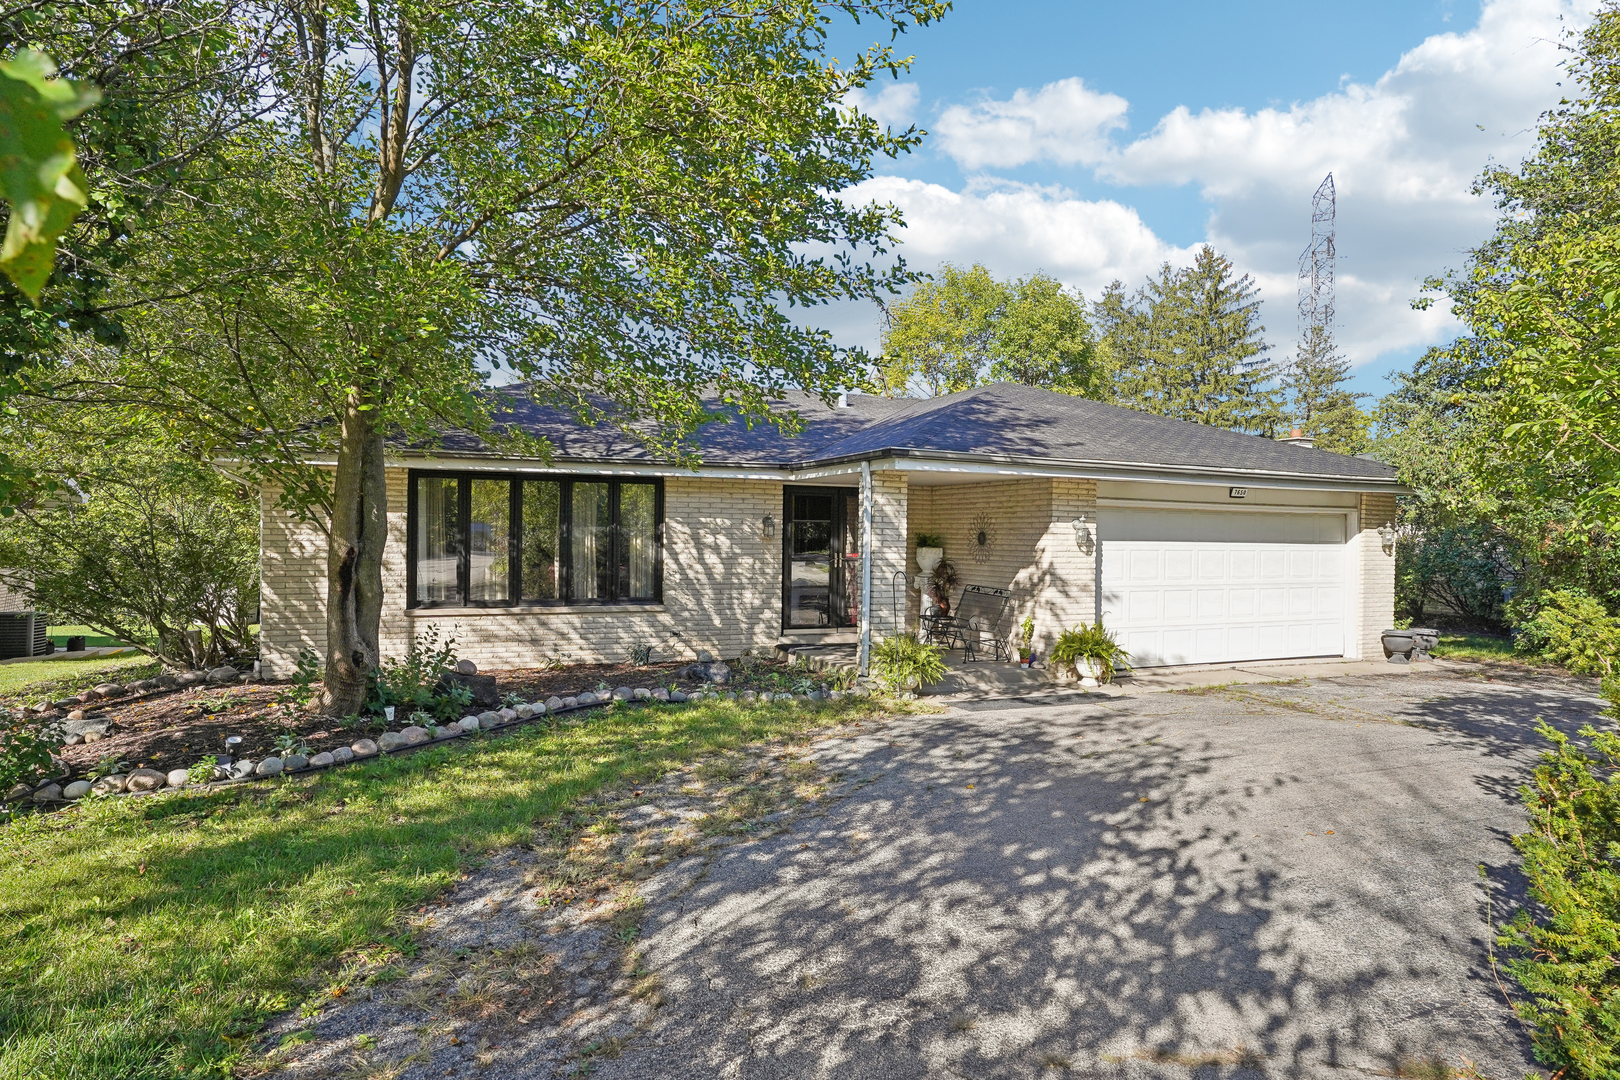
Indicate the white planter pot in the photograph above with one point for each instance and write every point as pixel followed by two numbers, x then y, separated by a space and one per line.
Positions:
pixel 1090 669
pixel 928 558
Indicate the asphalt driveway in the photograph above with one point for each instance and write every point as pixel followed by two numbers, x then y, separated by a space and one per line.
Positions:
pixel 1295 879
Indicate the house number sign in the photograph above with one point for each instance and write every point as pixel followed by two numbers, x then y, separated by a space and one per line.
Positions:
pixel 1238 493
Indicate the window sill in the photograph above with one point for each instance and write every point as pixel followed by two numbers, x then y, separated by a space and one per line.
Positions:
pixel 578 609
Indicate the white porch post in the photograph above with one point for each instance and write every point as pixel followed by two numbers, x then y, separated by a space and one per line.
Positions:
pixel 866 569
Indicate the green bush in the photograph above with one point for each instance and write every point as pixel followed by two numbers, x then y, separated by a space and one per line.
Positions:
pixel 1569 627
pixel 1568 944
pixel 411 683
pixel 905 662
pixel 1466 569
pixel 1091 642
pixel 25 749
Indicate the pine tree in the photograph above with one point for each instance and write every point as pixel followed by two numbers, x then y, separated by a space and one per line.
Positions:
pixel 1322 408
pixel 1189 345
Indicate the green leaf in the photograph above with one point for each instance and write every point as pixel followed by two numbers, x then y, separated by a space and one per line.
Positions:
pixel 39 169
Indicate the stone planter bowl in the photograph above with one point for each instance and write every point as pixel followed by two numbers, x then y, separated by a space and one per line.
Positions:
pixel 1424 641
pixel 1398 646
pixel 928 558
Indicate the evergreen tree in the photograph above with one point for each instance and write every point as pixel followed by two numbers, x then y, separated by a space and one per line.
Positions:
pixel 1322 408
pixel 1189 345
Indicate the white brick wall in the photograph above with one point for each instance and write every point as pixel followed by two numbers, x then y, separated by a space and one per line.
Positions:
pixel 1373 602
pixel 1034 553
pixel 722 589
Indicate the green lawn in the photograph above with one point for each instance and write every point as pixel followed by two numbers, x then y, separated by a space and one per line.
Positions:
pixel 151 937
pixel 92 638
pixel 1476 647
pixel 42 680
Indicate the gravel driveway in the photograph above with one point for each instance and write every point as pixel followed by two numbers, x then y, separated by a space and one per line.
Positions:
pixel 1296 879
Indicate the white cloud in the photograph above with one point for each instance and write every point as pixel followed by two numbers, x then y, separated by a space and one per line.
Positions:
pixel 893 105
pixel 1063 121
pixel 1404 152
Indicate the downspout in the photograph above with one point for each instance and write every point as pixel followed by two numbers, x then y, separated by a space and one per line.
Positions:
pixel 866 569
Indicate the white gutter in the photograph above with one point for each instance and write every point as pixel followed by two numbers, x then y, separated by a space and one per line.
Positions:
pixel 865 666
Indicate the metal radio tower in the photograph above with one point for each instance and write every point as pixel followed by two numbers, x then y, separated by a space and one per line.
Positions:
pixel 1316 266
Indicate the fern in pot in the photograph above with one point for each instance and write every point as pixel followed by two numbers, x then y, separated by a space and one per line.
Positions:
pixel 1089 653
pixel 906 663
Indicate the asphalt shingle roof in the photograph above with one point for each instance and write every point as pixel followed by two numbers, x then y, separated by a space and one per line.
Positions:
pixel 999 421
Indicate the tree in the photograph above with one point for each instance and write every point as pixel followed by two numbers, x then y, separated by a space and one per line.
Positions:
pixel 1320 405
pixel 1189 344
pixel 143 545
pixel 613 201
pixel 964 328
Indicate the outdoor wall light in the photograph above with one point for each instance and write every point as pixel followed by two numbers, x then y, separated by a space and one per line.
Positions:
pixel 1386 533
pixel 769 525
pixel 1082 534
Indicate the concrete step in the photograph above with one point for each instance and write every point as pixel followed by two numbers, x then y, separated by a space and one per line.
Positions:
pixel 997 680
pixel 819 657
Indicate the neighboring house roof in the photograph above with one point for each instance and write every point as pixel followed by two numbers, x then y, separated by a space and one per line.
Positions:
pixel 998 423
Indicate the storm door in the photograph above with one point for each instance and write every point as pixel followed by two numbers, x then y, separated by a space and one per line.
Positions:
pixel 821 558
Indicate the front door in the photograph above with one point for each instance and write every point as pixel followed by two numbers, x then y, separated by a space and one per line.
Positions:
pixel 821 557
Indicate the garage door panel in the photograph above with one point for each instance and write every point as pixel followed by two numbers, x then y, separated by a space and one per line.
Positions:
pixel 1217 598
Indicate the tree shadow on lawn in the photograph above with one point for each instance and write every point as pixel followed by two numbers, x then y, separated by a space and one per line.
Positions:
pixel 1001 901
pixel 172 924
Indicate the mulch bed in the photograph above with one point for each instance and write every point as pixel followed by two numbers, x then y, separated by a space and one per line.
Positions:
pixel 174 730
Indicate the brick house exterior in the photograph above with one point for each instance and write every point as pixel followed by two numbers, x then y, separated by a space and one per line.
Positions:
pixel 1053 485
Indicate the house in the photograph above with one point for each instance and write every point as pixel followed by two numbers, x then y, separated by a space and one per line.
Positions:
pixel 1196 544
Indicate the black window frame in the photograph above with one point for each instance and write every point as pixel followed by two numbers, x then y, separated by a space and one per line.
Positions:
pixel 565 511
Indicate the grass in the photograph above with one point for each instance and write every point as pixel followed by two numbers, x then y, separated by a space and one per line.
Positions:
pixel 44 680
pixel 1476 647
pixel 92 639
pixel 153 937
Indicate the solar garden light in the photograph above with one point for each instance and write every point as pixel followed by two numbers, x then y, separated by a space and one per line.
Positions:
pixel 233 743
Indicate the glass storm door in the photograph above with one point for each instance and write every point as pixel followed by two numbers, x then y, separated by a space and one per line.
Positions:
pixel 818 554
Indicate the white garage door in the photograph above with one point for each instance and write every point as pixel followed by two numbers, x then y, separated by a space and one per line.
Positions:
pixel 1206 587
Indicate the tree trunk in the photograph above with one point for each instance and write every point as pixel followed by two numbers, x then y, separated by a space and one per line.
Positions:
pixel 354 560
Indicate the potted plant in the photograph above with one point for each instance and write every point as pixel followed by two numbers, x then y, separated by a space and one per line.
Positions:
pixel 930 550
pixel 905 663
pixel 1089 653
pixel 1026 635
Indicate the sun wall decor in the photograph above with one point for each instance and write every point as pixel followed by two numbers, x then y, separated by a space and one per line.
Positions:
pixel 982 537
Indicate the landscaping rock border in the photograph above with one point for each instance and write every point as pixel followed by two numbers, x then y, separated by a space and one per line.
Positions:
pixel 411 737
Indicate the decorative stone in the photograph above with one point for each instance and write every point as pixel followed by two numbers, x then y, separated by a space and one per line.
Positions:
pixel 144 780
pixel 570 703
pixel 192 678
pixel 224 674
pixel 784 697
pixel 488 719
pixel 553 703
pixel 94 736
pixel 270 766
pixel 343 755
pixel 466 667
pixel 623 693
pixel 524 711
pixel 363 748
pixel 221 772
pixel 815 695
pixel 73 739
pixel 466 723
pixel 677 696
pixel 719 673
pixel 834 695
pixel 109 785
pixel 507 715
pixel 322 759
pixel 242 767
pixel 49 793
pixel 704 656
pixel 390 740
pixel 295 762
pixel 641 693
pixel 178 777
pixel 660 694
pixel 415 735
pixel 748 695
pixel 448 731
pixel 76 714
pixel 587 698
pixel 76 790
pixel 471 717
pixel 19 791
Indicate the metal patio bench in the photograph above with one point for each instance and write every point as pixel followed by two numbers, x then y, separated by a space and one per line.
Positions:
pixel 977 624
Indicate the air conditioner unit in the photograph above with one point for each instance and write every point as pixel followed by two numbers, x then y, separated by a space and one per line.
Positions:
pixel 23 634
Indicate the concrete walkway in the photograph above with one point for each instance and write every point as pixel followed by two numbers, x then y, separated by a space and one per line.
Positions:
pixel 1286 879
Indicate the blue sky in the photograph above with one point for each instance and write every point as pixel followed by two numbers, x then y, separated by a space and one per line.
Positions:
pixel 1097 140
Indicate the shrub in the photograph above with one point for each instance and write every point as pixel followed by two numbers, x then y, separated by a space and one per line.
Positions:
pixel 1467 569
pixel 1568 943
pixel 412 683
pixel 905 662
pixel 25 749
pixel 1090 642
pixel 1570 628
